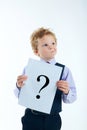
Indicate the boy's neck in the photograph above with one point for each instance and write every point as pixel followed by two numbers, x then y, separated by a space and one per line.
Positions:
pixel 51 61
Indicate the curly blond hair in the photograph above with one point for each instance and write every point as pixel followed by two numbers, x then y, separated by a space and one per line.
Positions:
pixel 39 33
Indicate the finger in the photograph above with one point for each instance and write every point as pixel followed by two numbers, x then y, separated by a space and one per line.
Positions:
pixel 20 80
pixel 64 90
pixel 22 77
pixel 62 84
pixel 20 84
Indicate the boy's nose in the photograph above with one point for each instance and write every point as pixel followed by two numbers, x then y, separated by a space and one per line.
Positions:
pixel 50 46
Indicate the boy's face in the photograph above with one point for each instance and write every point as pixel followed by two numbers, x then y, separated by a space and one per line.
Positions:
pixel 47 47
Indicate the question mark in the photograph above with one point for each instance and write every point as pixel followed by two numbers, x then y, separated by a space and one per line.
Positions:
pixel 46 83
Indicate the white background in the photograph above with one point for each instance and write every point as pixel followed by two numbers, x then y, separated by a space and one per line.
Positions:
pixel 18 19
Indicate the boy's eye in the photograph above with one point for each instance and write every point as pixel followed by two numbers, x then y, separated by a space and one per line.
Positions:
pixel 53 43
pixel 45 44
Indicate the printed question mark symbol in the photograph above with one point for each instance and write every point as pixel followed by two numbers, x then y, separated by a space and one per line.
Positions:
pixel 45 85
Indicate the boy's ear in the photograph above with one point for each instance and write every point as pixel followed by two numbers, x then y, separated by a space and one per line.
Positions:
pixel 36 52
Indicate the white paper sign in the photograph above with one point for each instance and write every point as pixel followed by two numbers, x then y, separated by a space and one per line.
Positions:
pixel 39 90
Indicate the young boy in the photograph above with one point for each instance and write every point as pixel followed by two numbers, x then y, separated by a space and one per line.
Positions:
pixel 44 45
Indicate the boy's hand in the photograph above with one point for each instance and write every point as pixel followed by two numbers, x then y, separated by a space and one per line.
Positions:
pixel 20 80
pixel 63 86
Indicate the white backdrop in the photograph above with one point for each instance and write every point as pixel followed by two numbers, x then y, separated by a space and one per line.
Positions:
pixel 18 19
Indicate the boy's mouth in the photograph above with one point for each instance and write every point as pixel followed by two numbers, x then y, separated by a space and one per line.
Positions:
pixel 52 51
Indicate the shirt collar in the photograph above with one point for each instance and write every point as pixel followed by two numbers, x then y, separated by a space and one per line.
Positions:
pixel 52 61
